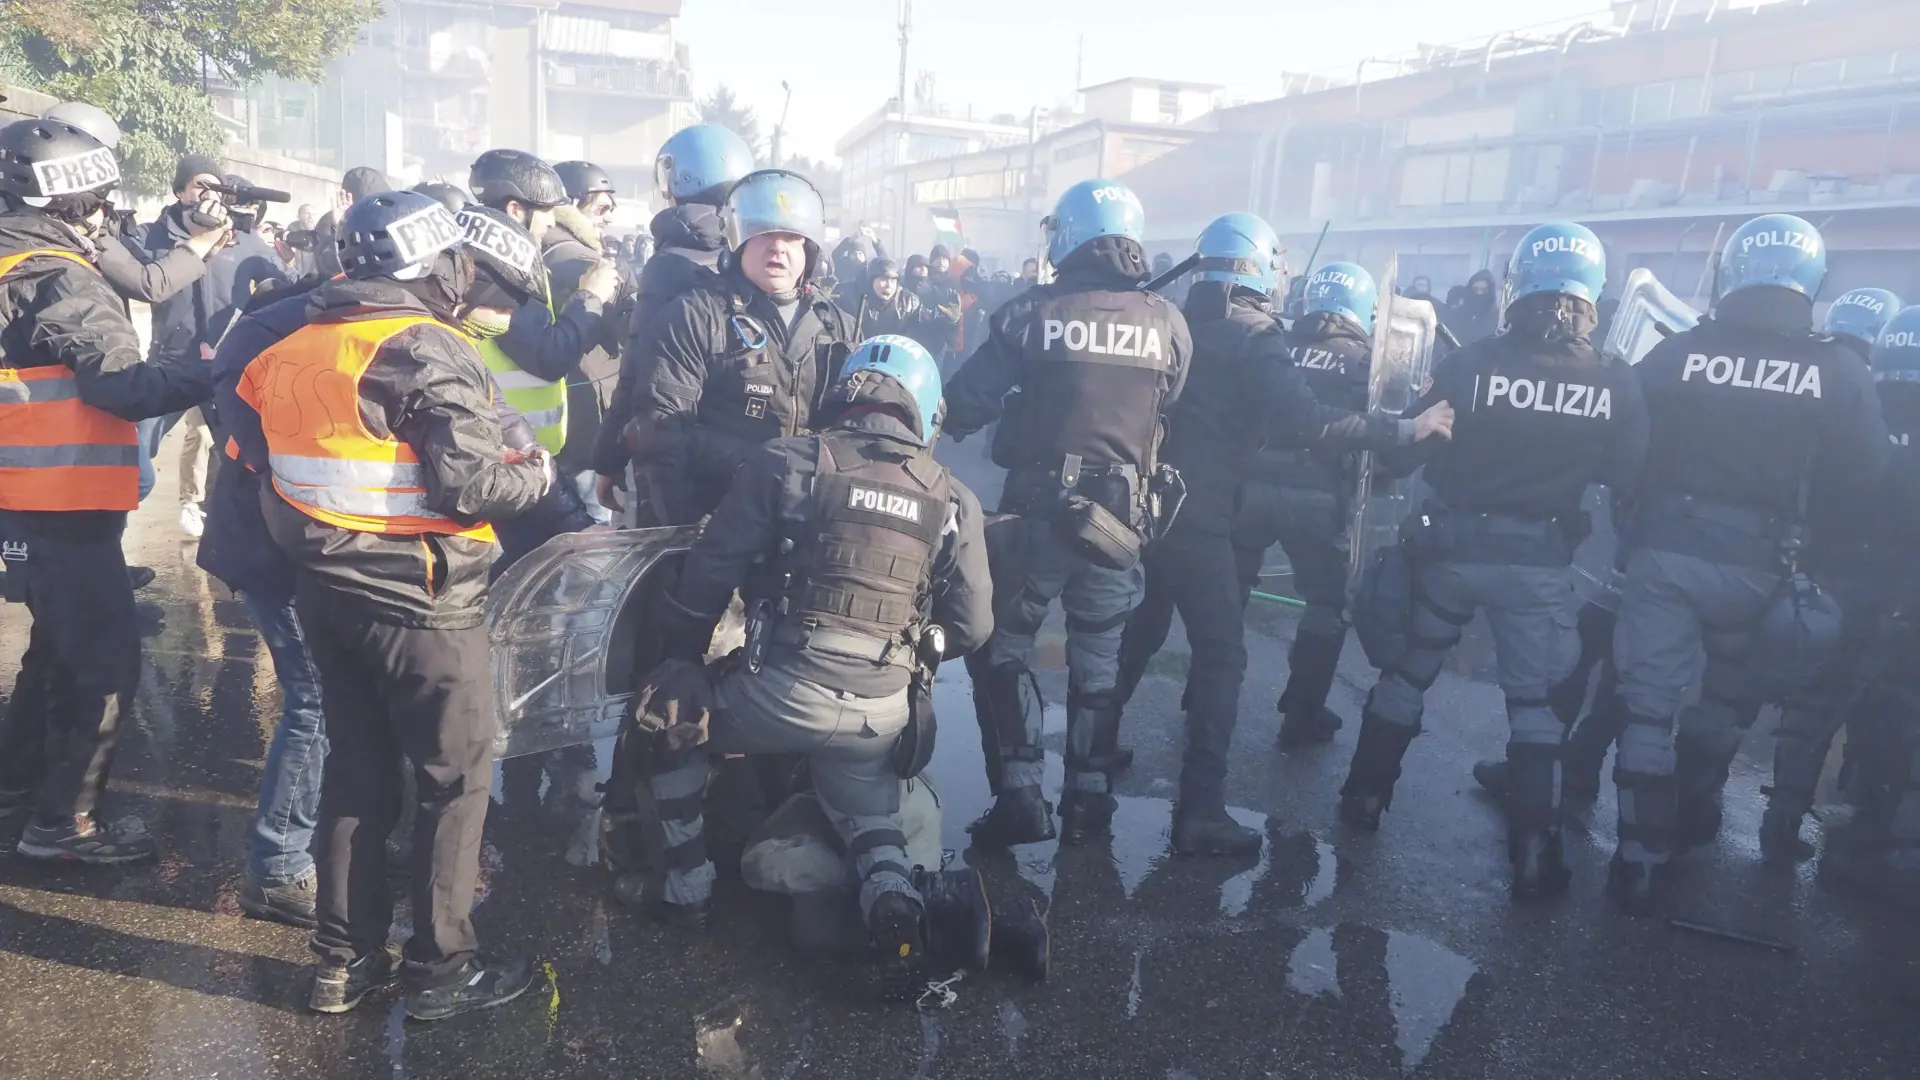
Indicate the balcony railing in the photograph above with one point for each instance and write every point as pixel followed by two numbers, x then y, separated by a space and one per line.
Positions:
pixel 649 78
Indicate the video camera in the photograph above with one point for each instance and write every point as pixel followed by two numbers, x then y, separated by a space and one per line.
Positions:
pixel 247 194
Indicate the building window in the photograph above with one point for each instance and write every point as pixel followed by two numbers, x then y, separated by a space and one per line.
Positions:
pixel 1170 104
pixel 1616 107
pixel 1689 98
pixel 1906 63
pixel 1772 79
pixel 1872 68
pixel 1652 104
pixel 1818 73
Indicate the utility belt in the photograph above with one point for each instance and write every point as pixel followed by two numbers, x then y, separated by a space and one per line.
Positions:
pixel 1716 532
pixel 1434 533
pixel 1104 512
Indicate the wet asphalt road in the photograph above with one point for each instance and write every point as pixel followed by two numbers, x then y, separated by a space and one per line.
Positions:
pixel 1334 955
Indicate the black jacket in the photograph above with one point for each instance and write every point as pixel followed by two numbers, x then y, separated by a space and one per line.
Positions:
pixel 1534 424
pixel 1097 360
pixel 1473 318
pixel 196 317
pixel 746 528
pixel 53 311
pixel 724 373
pixel 903 315
pixel 1745 412
pixel 1334 358
pixel 428 388
pixel 1244 387
pixel 687 248
pixel 570 249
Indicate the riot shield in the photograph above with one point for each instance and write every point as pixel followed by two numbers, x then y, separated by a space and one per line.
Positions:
pixel 1403 337
pixel 566 624
pixel 1647 313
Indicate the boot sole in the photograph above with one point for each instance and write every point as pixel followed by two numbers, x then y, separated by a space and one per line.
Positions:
pixel 59 854
pixel 473 1006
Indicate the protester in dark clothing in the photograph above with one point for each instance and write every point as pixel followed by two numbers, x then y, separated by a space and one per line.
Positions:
pixel 886 308
pixel 358 183
pixel 1475 316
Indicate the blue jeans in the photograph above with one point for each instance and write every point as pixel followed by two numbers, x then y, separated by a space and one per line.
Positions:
pixel 282 828
pixel 151 432
pixel 583 483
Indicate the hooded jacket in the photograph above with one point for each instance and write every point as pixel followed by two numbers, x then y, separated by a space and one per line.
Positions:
pixel 571 248
pixel 687 244
pixel 427 387
pixel 198 315
pixel 1473 318
pixel 53 311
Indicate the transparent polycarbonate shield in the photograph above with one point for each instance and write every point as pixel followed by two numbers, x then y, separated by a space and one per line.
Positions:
pixel 1647 314
pixel 567 625
pixel 1595 580
pixel 1403 337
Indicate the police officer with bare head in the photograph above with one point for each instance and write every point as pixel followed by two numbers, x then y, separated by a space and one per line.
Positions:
pixel 386 466
pixel 1242 382
pixel 1753 417
pixel 1540 415
pixel 1097 359
pixel 72 384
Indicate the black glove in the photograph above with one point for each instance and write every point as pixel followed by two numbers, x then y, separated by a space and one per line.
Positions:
pixel 676 701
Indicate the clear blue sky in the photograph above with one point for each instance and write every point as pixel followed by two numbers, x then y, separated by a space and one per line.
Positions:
pixel 1003 56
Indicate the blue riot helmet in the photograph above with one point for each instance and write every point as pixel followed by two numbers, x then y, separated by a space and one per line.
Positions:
pixel 774 201
pixel 1776 250
pixel 906 362
pixel 1896 355
pixel 1089 210
pixel 698 163
pixel 1239 249
pixel 1860 315
pixel 1344 289
pixel 1560 257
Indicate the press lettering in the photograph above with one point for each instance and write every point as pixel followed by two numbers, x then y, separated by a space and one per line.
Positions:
pixel 78 172
pixel 421 234
pixel 1102 339
pixel 883 502
pixel 495 239
pixel 1777 376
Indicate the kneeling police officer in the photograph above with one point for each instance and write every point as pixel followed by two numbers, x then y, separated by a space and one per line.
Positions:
pixel 861 561
pixel 1543 415
pixel 1753 418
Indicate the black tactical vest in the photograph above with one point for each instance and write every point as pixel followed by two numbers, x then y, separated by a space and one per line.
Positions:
pixel 1095 368
pixel 863 540
pixel 763 386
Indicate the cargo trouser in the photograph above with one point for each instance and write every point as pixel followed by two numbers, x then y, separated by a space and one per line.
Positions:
pixel 848 742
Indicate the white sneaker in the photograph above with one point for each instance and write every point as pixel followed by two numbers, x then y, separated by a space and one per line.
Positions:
pixel 193 520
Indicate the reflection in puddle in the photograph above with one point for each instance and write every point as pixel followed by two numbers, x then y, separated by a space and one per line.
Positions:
pixel 1013 1025
pixel 929 1046
pixel 1311 966
pixel 1425 983
pixel 1140 838
pixel 1237 891
pixel 394 1041
pixel 717 1048
pixel 1133 985
pixel 1328 875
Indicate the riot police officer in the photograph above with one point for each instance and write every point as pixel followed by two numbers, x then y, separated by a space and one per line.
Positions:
pixel 1097 359
pixel 1867 554
pixel 860 558
pixel 1241 385
pixel 741 358
pixel 694 170
pixel 1753 416
pixel 1861 552
pixel 1856 318
pixel 1300 494
pixel 1546 415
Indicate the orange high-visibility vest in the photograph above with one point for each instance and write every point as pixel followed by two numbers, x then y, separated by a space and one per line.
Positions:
pixel 325 462
pixel 56 451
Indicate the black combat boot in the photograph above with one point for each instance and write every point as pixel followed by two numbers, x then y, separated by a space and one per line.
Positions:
pixel 959 919
pixel 1533 811
pixel 1312 663
pixel 1494 775
pixel 1018 816
pixel 1700 780
pixel 1085 816
pixel 1539 864
pixel 1375 769
pixel 1632 885
pixel 1212 831
pixel 899 946
pixel 1780 839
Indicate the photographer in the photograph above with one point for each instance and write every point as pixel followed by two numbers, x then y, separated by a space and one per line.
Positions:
pixel 187 325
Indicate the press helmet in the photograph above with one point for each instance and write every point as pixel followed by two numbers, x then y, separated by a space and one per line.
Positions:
pixel 56 167
pixel 89 118
pixel 500 175
pixel 583 180
pixel 395 234
pixel 504 247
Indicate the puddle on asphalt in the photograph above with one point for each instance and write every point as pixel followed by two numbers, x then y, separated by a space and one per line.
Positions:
pixel 1425 982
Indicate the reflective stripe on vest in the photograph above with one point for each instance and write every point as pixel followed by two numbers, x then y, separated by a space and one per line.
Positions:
pixel 543 403
pixel 56 451
pixel 325 462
